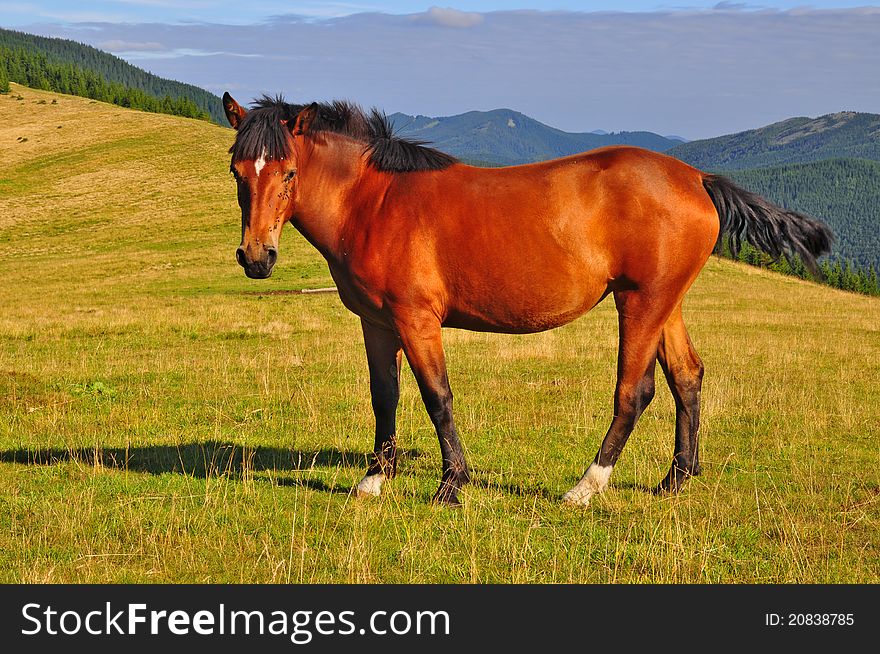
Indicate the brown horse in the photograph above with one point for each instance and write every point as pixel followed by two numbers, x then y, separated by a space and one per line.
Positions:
pixel 417 241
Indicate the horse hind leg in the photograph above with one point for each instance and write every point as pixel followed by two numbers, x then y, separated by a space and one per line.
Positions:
pixel 684 373
pixel 640 325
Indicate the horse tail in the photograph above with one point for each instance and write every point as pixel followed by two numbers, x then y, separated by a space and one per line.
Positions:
pixel 745 216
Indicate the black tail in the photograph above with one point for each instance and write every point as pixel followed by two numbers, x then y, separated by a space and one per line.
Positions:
pixel 746 216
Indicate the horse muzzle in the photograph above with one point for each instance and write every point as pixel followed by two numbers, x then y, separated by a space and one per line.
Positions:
pixel 260 268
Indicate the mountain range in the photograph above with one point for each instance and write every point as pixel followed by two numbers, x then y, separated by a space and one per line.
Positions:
pixel 796 140
pixel 503 137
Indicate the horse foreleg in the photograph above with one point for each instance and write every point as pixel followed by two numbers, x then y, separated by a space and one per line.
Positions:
pixel 383 357
pixel 684 373
pixel 423 346
pixel 640 325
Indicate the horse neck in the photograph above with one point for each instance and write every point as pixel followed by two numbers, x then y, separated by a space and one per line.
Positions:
pixel 329 183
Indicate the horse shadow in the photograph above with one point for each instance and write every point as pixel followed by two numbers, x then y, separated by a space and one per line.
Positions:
pixel 539 490
pixel 280 466
pixel 209 459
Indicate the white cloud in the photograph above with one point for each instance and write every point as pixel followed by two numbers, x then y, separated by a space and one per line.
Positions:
pixel 118 45
pixel 448 17
pixel 181 52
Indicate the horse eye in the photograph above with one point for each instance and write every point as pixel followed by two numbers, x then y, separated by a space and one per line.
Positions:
pixel 289 176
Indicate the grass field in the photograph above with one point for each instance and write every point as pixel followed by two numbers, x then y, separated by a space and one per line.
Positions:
pixel 165 419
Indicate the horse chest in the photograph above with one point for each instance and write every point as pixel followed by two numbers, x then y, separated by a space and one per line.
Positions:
pixel 355 298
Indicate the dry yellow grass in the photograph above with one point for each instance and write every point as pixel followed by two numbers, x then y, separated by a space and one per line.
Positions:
pixel 157 423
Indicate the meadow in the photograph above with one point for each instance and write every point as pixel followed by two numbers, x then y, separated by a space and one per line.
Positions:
pixel 165 419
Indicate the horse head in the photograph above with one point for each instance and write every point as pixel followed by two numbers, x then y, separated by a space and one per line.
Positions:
pixel 264 164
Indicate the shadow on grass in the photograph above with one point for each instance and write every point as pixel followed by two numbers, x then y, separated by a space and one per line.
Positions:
pixel 203 460
pixel 541 491
pixel 314 484
pixel 634 486
pixel 510 488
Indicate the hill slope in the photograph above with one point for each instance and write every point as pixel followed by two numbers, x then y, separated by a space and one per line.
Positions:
pixel 113 69
pixel 797 140
pixel 503 137
pixel 161 420
pixel 845 193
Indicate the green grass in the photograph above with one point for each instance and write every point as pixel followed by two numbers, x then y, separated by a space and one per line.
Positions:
pixel 159 422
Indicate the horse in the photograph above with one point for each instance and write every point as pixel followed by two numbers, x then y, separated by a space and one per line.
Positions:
pixel 417 241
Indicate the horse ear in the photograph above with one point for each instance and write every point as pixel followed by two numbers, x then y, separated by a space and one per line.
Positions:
pixel 304 119
pixel 234 112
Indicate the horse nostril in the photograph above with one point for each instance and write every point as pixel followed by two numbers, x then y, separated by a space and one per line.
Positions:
pixel 271 256
pixel 239 256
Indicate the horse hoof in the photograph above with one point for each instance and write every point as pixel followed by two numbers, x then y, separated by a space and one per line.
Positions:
pixel 577 497
pixel 593 482
pixel 370 485
pixel 670 487
pixel 446 497
pixel 675 479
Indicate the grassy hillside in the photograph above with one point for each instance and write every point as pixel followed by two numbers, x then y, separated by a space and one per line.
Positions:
pixel 796 140
pixel 845 193
pixel 504 137
pixel 163 418
pixel 111 69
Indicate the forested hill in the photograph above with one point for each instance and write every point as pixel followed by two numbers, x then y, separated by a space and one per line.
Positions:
pixel 110 68
pixel 796 140
pixel 503 137
pixel 844 193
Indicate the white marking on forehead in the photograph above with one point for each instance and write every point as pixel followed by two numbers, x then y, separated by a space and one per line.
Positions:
pixel 259 163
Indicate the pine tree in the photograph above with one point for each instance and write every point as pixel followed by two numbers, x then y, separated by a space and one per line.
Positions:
pixel 4 77
pixel 836 277
pixel 850 279
pixel 825 271
pixel 798 268
pixel 873 282
pixel 782 266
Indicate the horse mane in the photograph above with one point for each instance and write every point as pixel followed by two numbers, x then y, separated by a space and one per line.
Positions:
pixel 264 126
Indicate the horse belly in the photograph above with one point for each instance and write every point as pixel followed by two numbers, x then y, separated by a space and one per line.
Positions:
pixel 525 308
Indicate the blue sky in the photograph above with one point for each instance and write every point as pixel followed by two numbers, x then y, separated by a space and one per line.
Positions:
pixel 691 68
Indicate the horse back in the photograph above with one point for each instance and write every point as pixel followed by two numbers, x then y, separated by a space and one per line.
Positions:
pixel 528 248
